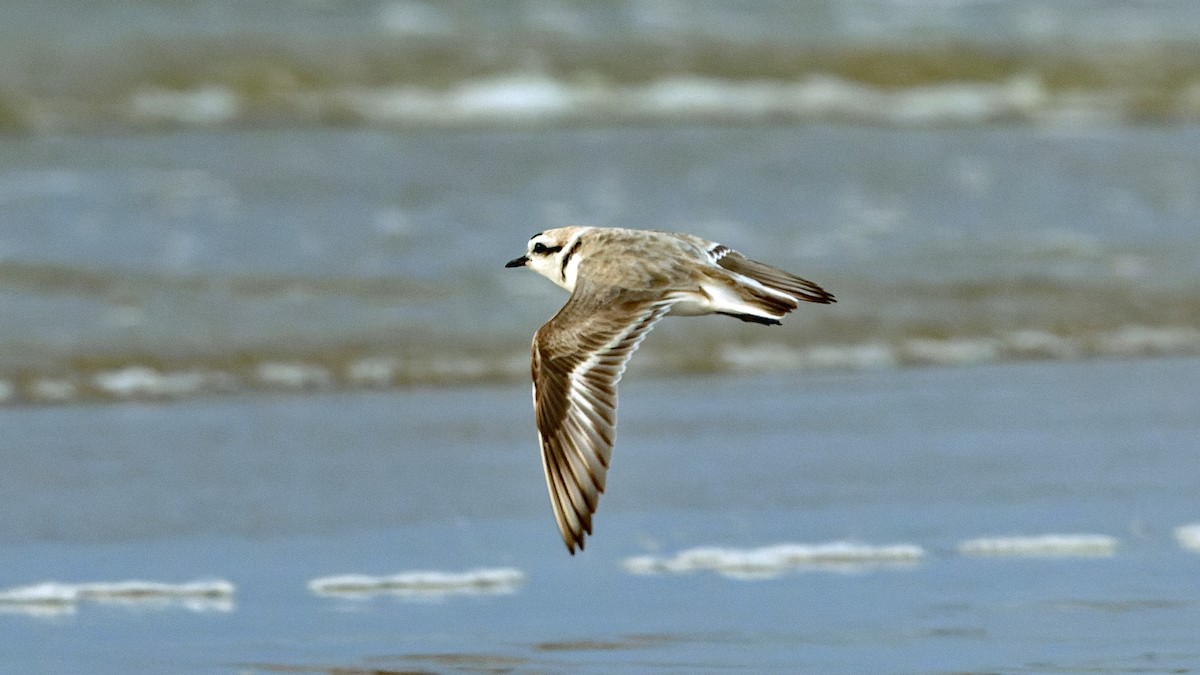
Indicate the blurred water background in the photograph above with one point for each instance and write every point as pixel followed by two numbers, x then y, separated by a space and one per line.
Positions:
pixel 209 207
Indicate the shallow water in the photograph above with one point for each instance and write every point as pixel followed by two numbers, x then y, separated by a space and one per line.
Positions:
pixel 166 266
pixel 273 493
pixel 264 381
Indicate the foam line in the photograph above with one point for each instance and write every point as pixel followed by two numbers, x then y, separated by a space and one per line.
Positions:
pixel 52 597
pixel 771 561
pixel 1188 536
pixel 480 581
pixel 1067 545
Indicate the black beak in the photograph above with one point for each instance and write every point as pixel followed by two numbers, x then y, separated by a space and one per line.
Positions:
pixel 517 262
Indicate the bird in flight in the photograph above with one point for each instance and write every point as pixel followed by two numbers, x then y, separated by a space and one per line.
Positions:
pixel 622 282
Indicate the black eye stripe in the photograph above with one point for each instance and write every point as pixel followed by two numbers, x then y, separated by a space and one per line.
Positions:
pixel 541 248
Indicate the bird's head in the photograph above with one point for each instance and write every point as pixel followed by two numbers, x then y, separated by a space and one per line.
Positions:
pixel 553 254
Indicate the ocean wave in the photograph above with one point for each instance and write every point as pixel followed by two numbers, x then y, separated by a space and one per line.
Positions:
pixel 524 99
pixel 53 598
pixel 116 335
pixel 420 583
pixel 1049 545
pixel 108 377
pixel 211 82
pixel 771 561
pixel 1019 345
pixel 50 279
pixel 1188 536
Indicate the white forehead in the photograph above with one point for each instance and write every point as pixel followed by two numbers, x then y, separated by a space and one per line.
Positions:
pixel 548 239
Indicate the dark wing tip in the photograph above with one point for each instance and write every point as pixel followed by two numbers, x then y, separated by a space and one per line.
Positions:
pixel 754 318
pixel 574 540
pixel 820 295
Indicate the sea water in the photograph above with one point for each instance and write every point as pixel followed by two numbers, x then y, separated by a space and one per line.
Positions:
pixel 264 378
pixel 1005 518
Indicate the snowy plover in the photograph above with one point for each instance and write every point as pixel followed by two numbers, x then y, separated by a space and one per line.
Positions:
pixel 621 282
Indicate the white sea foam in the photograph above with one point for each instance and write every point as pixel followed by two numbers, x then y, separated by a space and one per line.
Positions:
pixel 52 597
pixel 1188 536
pixel 761 357
pixel 523 97
pixel 46 593
pixel 962 351
pixel 294 375
pixel 770 561
pixel 1049 545
pixel 513 99
pixel 285 372
pixel 205 106
pixel 138 590
pixel 141 381
pixel 915 351
pixel 378 371
pixel 854 357
pixel 517 98
pixel 1040 344
pixel 421 583
pixel 46 600
pixel 52 390
pixel 959 352
pixel 1143 340
pixel 773 357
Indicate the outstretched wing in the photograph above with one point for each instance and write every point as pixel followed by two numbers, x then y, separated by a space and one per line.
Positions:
pixel 578 358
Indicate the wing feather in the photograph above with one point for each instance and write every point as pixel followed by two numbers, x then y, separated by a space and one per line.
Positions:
pixel 578 358
pixel 771 277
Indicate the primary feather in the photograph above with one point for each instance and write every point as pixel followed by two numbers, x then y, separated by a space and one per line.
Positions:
pixel 622 282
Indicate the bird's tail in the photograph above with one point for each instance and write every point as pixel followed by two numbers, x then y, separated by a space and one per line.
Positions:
pixel 776 279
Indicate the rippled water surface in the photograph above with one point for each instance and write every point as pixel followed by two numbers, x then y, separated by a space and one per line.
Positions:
pixel 264 378
pixel 1012 518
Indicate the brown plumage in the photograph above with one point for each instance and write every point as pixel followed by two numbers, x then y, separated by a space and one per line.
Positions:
pixel 622 282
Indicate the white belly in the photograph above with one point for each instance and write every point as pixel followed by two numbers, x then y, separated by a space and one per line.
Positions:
pixel 718 299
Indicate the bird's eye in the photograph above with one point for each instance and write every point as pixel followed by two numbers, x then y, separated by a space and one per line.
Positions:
pixel 539 248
